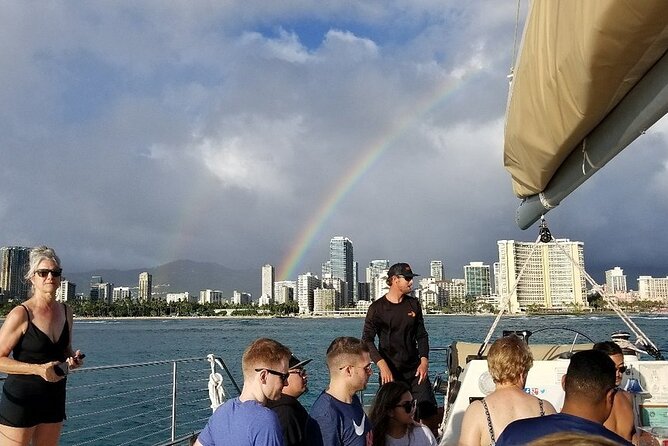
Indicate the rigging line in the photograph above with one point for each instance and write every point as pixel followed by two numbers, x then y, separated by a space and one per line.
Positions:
pixel 506 300
pixel 622 315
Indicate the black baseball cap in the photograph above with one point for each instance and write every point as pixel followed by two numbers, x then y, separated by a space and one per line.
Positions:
pixel 295 363
pixel 401 269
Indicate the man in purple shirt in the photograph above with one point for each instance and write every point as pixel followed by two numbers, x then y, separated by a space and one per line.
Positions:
pixel 245 421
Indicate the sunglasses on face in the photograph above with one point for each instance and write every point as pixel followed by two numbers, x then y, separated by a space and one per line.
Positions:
pixel 284 376
pixel 409 406
pixel 621 368
pixel 300 372
pixel 45 272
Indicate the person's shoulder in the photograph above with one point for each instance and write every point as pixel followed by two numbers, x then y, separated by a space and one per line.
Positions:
pixel 423 433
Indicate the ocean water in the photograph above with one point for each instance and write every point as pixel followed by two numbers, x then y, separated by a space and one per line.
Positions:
pixel 96 398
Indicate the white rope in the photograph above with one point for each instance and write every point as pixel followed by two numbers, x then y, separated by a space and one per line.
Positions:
pixel 216 388
pixel 506 300
pixel 616 308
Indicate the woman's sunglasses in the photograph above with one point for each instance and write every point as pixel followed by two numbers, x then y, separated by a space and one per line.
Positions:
pixel 409 406
pixel 45 272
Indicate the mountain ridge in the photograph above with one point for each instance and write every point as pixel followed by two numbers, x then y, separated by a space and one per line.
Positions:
pixel 177 276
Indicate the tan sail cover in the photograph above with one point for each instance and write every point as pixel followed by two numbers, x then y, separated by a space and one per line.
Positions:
pixel 578 59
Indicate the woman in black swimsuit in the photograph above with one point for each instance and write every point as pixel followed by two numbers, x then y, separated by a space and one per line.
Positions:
pixel 38 336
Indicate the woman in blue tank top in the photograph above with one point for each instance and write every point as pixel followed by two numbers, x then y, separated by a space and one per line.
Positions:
pixel 37 334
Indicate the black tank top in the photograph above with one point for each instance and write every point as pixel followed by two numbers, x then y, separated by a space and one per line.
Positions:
pixel 35 346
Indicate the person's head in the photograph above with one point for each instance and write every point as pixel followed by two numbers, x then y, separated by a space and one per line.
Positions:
pixel 589 384
pixel 400 276
pixel 298 380
pixel 572 439
pixel 615 353
pixel 349 362
pixel 394 404
pixel 265 364
pixel 44 269
pixel 509 360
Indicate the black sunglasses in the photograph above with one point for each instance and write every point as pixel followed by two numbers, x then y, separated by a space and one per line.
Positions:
pixel 409 406
pixel 622 368
pixel 45 272
pixel 284 376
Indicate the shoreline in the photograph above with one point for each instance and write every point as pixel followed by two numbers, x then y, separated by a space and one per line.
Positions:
pixel 339 316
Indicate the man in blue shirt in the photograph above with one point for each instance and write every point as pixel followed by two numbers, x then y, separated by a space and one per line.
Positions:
pixel 337 416
pixel 245 421
pixel 589 384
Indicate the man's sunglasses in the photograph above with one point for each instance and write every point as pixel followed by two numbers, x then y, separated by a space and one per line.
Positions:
pixel 622 368
pixel 45 272
pixel 409 406
pixel 284 376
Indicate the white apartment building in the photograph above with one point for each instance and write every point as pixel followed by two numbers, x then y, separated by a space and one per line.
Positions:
pixel 178 297
pixel 241 298
pixel 452 289
pixel 306 284
pixel 615 281
pixel 66 292
pixel 284 291
pixel 121 293
pixel 268 282
pixel 653 288
pixel 209 296
pixel 376 277
pixel 550 280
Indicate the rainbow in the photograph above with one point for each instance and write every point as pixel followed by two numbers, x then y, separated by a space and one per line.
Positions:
pixel 368 157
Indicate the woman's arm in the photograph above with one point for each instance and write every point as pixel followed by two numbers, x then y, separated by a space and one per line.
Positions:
pixel 75 358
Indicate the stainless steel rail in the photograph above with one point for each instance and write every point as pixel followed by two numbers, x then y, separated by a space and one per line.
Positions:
pixel 148 403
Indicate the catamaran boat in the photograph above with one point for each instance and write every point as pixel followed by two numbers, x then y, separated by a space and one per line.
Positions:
pixel 590 78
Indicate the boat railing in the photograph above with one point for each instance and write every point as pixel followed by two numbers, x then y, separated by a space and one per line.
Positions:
pixel 150 403
pixel 438 369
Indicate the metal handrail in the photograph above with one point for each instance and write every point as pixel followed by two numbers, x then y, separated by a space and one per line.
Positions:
pixel 181 384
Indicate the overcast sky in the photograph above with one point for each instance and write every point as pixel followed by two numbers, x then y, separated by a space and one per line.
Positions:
pixel 251 132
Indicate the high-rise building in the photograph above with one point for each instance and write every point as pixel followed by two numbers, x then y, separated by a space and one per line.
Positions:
pixel 477 279
pixel 653 288
pixel 241 298
pixel 376 276
pixel 338 285
pixel 615 281
pixel 550 279
pixel 341 261
pixel 66 291
pixel 284 291
pixel 145 286
pixel 268 282
pixel 306 283
pixel 13 267
pixel 95 282
pixel 436 269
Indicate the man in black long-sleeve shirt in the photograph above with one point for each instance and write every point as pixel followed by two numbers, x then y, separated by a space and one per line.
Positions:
pixel 403 343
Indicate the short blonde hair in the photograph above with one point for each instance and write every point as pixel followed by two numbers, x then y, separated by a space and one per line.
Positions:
pixel 509 359
pixel 263 352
